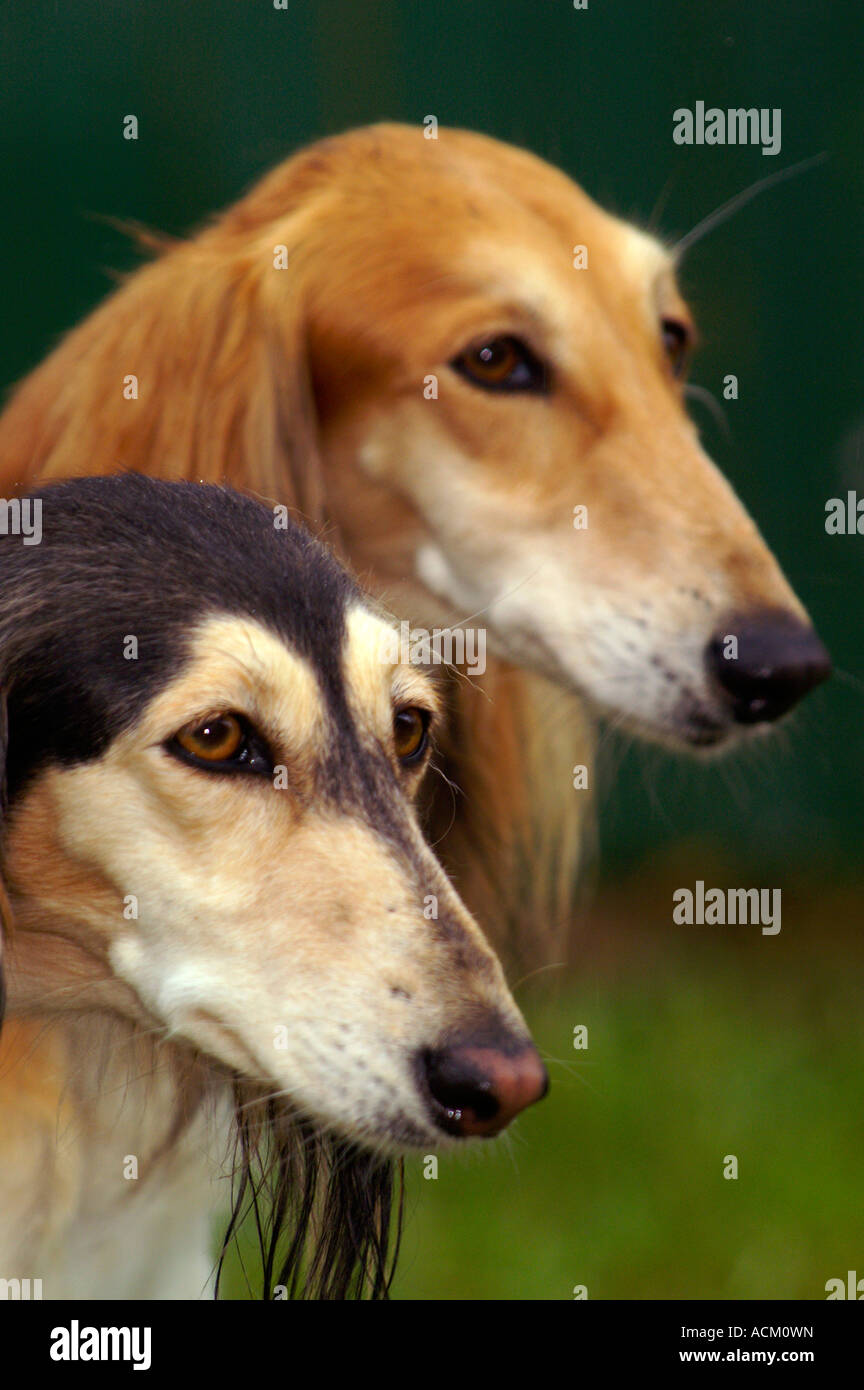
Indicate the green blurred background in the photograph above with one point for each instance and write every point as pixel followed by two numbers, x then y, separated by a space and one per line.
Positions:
pixel 702 1042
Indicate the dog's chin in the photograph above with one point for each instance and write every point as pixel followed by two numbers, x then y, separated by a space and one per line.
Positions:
pixel 695 723
pixel 386 1133
pixel 394 1134
pixel 699 729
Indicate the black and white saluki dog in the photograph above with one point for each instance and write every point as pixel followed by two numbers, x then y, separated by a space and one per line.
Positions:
pixel 223 927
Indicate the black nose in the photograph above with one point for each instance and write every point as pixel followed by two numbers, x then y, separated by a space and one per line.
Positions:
pixel 477 1090
pixel 770 665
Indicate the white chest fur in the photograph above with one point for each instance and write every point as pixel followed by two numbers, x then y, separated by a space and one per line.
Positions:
pixel 94 1200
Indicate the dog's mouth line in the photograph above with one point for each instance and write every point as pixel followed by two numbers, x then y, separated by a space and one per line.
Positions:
pixel 402 1129
pixel 253 1069
pixel 695 727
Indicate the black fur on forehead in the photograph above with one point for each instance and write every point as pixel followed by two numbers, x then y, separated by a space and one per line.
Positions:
pixel 131 556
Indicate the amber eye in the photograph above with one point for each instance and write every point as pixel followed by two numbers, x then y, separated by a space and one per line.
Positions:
pixel 411 734
pixel 502 364
pixel 214 740
pixel 222 743
pixel 677 340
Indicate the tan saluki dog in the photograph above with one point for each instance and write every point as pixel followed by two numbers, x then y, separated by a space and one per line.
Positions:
pixel 470 376
pixel 221 903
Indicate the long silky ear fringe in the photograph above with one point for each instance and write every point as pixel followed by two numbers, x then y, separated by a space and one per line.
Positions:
pixel 327 1215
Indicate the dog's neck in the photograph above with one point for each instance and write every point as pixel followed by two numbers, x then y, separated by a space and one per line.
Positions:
pixel 114 1136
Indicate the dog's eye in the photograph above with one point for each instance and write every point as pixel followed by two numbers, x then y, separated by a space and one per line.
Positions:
pixel 502 364
pixel 411 734
pixel 215 740
pixel 220 743
pixel 676 343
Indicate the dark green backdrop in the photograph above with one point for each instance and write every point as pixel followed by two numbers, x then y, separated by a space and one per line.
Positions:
pixel 224 89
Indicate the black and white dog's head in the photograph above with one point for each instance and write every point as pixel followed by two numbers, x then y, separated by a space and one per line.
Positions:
pixel 210 762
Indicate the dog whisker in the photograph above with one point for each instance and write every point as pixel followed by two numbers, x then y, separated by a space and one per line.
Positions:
pixel 728 209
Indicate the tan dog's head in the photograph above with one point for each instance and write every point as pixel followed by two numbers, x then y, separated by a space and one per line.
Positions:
pixel 496 366
pixel 211 764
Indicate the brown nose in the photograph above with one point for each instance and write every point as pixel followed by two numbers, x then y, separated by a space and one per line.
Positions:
pixel 478 1090
pixel 773 662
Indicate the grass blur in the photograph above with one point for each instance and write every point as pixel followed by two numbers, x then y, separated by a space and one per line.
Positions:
pixel 702 1042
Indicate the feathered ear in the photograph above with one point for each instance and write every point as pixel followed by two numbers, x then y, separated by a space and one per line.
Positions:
pixel 225 366
pixel 281 451
pixel 212 336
